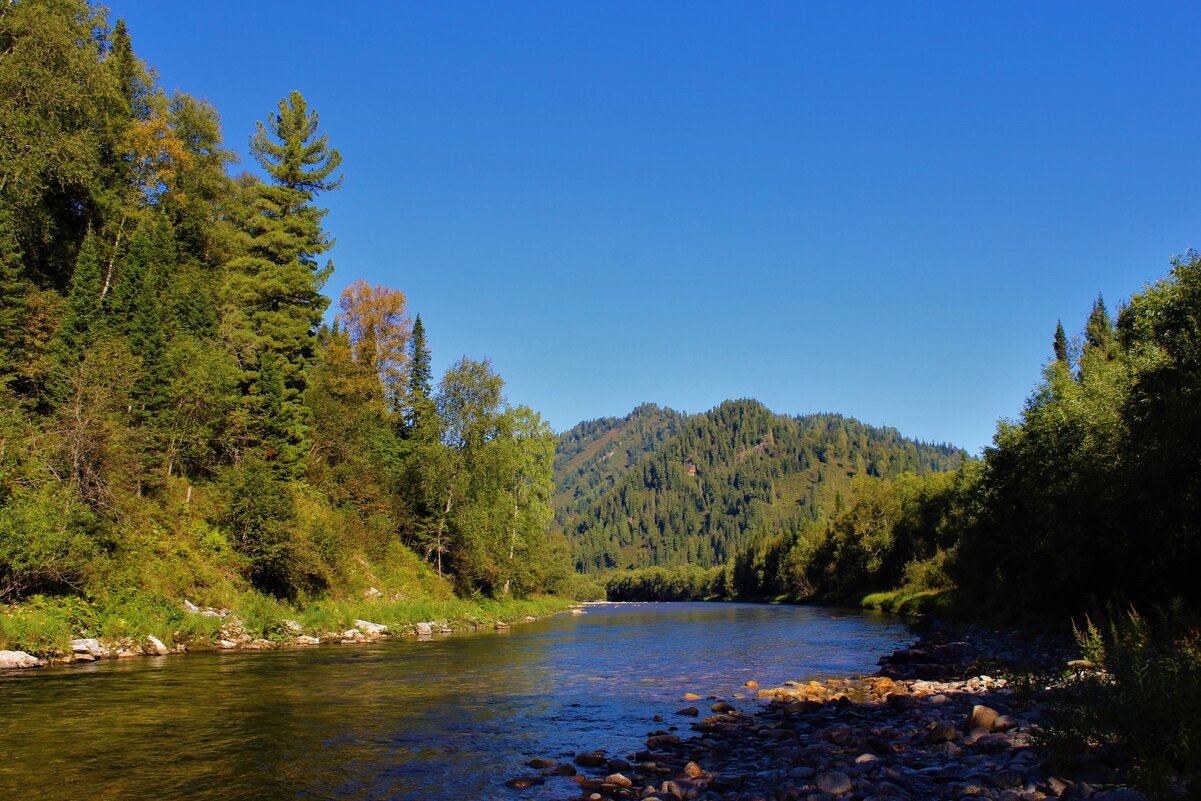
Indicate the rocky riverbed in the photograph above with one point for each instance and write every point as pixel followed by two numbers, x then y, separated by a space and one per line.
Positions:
pixel 935 722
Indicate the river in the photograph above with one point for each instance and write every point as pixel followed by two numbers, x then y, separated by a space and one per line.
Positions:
pixel 448 719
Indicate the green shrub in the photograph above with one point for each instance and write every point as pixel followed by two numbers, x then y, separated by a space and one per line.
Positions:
pixel 1141 705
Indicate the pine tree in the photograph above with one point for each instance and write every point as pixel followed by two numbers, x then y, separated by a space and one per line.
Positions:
pixel 1098 331
pixel 82 313
pixel 273 291
pixel 420 414
pixel 1060 344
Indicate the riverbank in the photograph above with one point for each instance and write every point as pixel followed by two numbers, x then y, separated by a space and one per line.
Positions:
pixel 58 635
pixel 954 716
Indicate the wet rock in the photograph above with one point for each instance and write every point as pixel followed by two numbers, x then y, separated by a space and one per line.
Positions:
pixel 835 783
pixel 689 710
pixel 541 764
pixel 155 646
pixel 586 759
pixel 524 782
pixel 18 660
pixel 721 707
pixel 305 639
pixel 578 612
pixel 942 733
pixel 693 770
pixel 617 765
pixel 619 780
pixel 425 630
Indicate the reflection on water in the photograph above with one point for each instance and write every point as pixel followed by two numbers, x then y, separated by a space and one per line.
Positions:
pixel 452 718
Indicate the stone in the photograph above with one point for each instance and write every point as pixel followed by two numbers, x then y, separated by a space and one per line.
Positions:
pixel 190 607
pixel 305 639
pixel 693 770
pixel 292 626
pixel 691 697
pixel 500 625
pixel 942 733
pixel 424 630
pixel 90 646
pixel 587 759
pixel 372 592
pixel 722 708
pixel 617 765
pixel 835 783
pixel 156 646
pixel 619 780
pixel 541 764
pixel 578 612
pixel 981 716
pixel 688 710
pixel 227 644
pixel 18 660
pixel 371 629
pixel 751 684
pixel 1004 723
pixel 524 782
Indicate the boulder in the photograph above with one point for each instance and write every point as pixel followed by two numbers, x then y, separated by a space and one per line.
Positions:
pixel 12 660
pixel 1004 723
pixel 688 710
pixel 835 783
pixel 424 630
pixel 524 782
pixel 90 646
pixel 982 717
pixel 156 646
pixel 372 592
pixel 305 639
pixel 619 780
pixel 371 629
pixel 578 612
pixel 190 607
pixel 292 626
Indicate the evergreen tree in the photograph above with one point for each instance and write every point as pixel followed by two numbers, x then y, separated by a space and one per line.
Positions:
pixel 77 327
pixel 273 291
pixel 420 414
pixel 1060 345
pixel 1098 331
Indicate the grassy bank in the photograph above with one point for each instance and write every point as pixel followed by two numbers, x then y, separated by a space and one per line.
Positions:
pixel 44 626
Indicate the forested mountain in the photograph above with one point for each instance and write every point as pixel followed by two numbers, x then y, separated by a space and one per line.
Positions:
pixel 658 488
pixel 176 416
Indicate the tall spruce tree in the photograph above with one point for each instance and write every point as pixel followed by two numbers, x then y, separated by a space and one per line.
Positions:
pixel 1098 331
pixel 273 291
pixel 1061 343
pixel 420 413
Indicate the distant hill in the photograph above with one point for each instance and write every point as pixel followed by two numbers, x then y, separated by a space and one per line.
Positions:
pixel 658 487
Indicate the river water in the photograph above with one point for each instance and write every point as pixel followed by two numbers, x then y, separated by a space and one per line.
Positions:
pixel 448 719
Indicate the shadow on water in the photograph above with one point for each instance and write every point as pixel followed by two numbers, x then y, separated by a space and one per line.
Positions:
pixel 401 719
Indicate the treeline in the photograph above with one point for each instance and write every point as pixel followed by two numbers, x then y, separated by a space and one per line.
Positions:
pixel 1089 500
pixel 659 489
pixel 174 413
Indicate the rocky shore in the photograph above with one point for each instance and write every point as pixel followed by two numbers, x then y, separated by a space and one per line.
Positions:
pixel 935 722
pixel 233 636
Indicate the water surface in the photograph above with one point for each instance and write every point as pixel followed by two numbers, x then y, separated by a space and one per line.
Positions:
pixel 448 719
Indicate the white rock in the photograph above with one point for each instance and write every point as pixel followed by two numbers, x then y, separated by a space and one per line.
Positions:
pixel 292 626
pixel 305 639
pixel 371 629
pixel 90 646
pixel 424 629
pixel 10 660
pixel 191 607
pixel 227 644
pixel 157 645
pixel 372 592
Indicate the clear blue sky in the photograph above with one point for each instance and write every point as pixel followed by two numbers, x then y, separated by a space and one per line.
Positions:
pixel 879 209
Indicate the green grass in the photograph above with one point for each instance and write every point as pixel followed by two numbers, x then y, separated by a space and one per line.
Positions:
pixel 911 602
pixel 45 626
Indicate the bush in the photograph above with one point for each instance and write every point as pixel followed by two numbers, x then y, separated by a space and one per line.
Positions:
pixel 1140 706
pixel 45 543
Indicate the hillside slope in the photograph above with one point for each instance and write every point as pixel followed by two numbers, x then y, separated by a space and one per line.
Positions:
pixel 659 488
